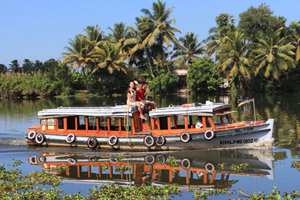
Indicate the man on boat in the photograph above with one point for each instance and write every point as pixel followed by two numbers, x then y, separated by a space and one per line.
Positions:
pixel 141 94
pixel 131 100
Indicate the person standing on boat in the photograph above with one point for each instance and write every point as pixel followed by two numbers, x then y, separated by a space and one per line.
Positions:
pixel 131 99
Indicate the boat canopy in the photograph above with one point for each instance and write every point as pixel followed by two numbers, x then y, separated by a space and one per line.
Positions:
pixel 113 111
pixel 208 109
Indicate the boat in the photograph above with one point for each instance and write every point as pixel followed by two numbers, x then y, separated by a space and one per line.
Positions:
pixel 198 168
pixel 167 128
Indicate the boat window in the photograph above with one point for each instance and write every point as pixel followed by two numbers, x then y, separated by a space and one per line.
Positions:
pixel 71 123
pixel 60 121
pixel 81 123
pixel 177 122
pixel 114 124
pixel 102 123
pixel 92 123
pixel 217 119
pixel 163 123
pixel 208 125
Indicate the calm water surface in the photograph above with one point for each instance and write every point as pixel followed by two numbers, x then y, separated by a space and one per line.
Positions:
pixel 194 169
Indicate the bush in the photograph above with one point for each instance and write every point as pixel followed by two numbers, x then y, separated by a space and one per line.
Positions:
pixel 165 82
pixel 202 76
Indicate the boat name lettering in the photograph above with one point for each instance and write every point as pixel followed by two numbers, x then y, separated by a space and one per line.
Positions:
pixel 242 141
pixel 48 123
pixel 244 129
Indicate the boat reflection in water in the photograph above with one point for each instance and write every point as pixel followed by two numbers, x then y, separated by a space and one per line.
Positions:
pixel 199 169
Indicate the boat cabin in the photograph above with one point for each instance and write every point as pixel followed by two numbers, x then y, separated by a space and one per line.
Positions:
pixel 104 121
pixel 107 121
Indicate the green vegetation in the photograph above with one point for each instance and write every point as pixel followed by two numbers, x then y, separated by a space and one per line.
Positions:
pixel 259 53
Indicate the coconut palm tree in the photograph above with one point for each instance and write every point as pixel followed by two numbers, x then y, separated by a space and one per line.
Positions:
pixel 78 55
pixel 118 32
pixel 214 42
pixel 295 28
pixel 272 54
pixel 107 56
pixel 94 36
pixel 187 50
pixel 155 29
pixel 233 59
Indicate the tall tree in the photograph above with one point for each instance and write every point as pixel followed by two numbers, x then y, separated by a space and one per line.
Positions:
pixel 27 66
pixel 119 31
pixel 78 55
pixel 272 54
pixel 14 66
pixel 233 60
pixel 155 29
pixel 225 26
pixel 3 68
pixel 107 57
pixel 295 28
pixel 187 50
pixel 260 19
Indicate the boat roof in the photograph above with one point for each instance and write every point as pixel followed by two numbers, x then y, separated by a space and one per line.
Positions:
pixel 114 111
pixel 197 109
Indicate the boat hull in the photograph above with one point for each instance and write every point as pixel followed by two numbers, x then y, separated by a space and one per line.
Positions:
pixel 259 136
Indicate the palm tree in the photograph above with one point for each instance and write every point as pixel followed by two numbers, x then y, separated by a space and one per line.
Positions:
pixel 188 50
pixel 155 29
pixel 295 28
pixel 119 31
pixel 14 66
pixel 78 55
pixel 234 63
pixel 94 36
pixel 272 54
pixel 107 56
pixel 214 42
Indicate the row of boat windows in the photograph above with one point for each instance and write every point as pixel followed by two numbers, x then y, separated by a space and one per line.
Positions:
pixel 177 122
pixel 91 123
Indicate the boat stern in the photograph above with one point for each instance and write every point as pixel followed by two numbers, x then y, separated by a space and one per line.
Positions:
pixel 30 134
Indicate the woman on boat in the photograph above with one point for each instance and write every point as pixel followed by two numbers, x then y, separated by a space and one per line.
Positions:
pixel 131 99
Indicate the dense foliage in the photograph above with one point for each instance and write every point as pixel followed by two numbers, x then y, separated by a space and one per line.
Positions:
pixel 258 53
pixel 202 76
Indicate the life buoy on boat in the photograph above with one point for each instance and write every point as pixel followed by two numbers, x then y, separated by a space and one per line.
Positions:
pixel 185 137
pixel 149 140
pixel 70 138
pixel 72 161
pixel 209 134
pixel 113 140
pixel 161 159
pixel 149 160
pixel 93 159
pixel 33 160
pixel 114 160
pixel 160 140
pixel 210 168
pixel 42 159
pixel 31 135
pixel 92 143
pixel 185 163
pixel 40 138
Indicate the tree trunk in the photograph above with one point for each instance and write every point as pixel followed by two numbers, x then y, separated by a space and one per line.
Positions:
pixel 149 62
pixel 86 80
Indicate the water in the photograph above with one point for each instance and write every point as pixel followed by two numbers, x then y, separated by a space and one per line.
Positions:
pixel 196 169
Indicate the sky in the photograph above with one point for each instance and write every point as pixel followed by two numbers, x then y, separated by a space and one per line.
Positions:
pixel 40 29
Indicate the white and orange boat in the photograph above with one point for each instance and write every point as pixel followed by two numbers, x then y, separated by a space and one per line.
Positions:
pixel 168 128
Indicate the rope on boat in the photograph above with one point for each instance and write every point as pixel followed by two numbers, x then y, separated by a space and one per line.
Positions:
pixel 127 117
